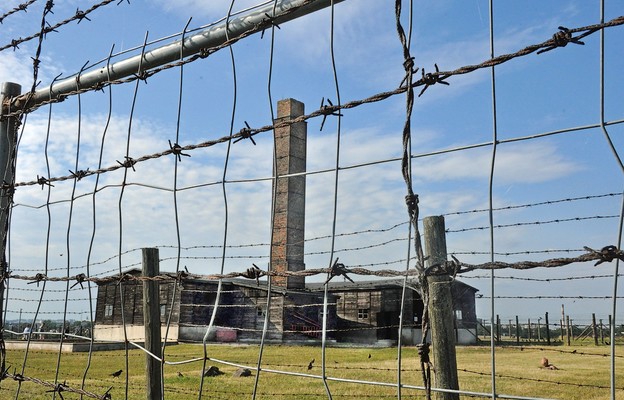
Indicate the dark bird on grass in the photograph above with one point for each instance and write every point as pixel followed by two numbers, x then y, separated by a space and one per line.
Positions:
pixel 117 373
pixel 574 352
pixel 180 375
pixel 311 364
pixel 369 356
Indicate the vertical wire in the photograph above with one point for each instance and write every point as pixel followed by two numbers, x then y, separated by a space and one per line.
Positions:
pixel 225 201
pixel 274 194
pixel 409 231
pixel 175 207
pixel 335 204
pixel 491 201
pixel 48 231
pixel 621 223
pixel 94 221
pixel 68 234
pixel 120 213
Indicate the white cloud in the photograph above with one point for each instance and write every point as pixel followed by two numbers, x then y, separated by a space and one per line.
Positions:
pixel 520 163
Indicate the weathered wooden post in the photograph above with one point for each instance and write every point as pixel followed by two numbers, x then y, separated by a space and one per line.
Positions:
pixel 601 331
pixel 498 332
pixel 594 329
pixel 568 333
pixel 7 147
pixel 517 331
pixel 547 328
pixel 530 328
pixel 440 309
pixel 151 320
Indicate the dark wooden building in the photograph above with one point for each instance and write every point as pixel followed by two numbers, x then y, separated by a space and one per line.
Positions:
pixel 364 312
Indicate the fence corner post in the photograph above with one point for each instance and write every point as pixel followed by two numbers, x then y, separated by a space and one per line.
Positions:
pixel 7 148
pixel 151 320
pixel 441 313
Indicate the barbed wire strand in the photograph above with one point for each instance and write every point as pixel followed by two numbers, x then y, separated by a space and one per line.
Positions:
pixel 20 7
pixel 325 109
pixel 78 16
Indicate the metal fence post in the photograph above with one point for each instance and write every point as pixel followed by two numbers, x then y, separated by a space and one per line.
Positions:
pixel 441 309
pixel 151 320
pixel 7 148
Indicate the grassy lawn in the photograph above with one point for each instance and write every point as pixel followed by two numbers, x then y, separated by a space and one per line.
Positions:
pixel 580 375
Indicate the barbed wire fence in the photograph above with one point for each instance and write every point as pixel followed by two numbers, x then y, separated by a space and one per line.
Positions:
pixel 24 284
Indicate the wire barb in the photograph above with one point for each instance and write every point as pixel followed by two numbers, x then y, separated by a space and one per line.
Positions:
pixel 176 149
pixel 431 78
pixel 338 269
pixel 129 163
pixel 268 22
pixel 606 254
pixel 246 133
pixel 561 39
pixel 78 175
pixel 328 109
pixel 254 272
pixel 41 180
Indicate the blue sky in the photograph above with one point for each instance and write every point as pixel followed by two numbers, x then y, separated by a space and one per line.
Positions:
pixel 538 93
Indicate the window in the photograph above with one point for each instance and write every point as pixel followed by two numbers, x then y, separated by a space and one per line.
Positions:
pixel 363 313
pixel 260 311
pixel 163 310
pixel 108 310
pixel 458 315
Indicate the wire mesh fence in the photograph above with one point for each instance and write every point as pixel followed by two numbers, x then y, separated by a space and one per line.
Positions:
pixel 509 128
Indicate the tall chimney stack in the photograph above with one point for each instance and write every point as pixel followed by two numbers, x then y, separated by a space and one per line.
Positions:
pixel 289 202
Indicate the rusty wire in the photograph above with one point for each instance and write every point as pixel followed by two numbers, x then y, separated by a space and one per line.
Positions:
pixel 78 16
pixel 321 112
pixel 17 8
pixel 604 255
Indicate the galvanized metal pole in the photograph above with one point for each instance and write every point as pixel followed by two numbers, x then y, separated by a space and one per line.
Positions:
pixel 7 147
pixel 151 320
pixel 208 38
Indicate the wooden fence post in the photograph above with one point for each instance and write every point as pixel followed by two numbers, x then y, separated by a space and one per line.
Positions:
pixel 568 333
pixel 151 320
pixel 498 330
pixel 594 329
pixel 441 309
pixel 547 328
pixel 517 331
pixel 601 332
pixel 530 328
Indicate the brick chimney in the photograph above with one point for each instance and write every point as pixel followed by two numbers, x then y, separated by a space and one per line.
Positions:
pixel 289 202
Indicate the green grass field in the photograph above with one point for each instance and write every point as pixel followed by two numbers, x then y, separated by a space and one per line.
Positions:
pixel 580 375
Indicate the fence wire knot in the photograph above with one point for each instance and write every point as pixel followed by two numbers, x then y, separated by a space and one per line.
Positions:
pixel 246 133
pixel 38 278
pixel 205 52
pixel 78 175
pixel 129 163
pixel 80 278
pixel 327 110
pixel 18 377
pixel 338 269
pixel 431 78
pixel 606 254
pixel 80 15
pixel 561 39
pixel 41 180
pixel 268 22
pixel 425 365
pixel 412 205
pixel 408 64
pixel 254 272
pixel 176 149
pixel 59 388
